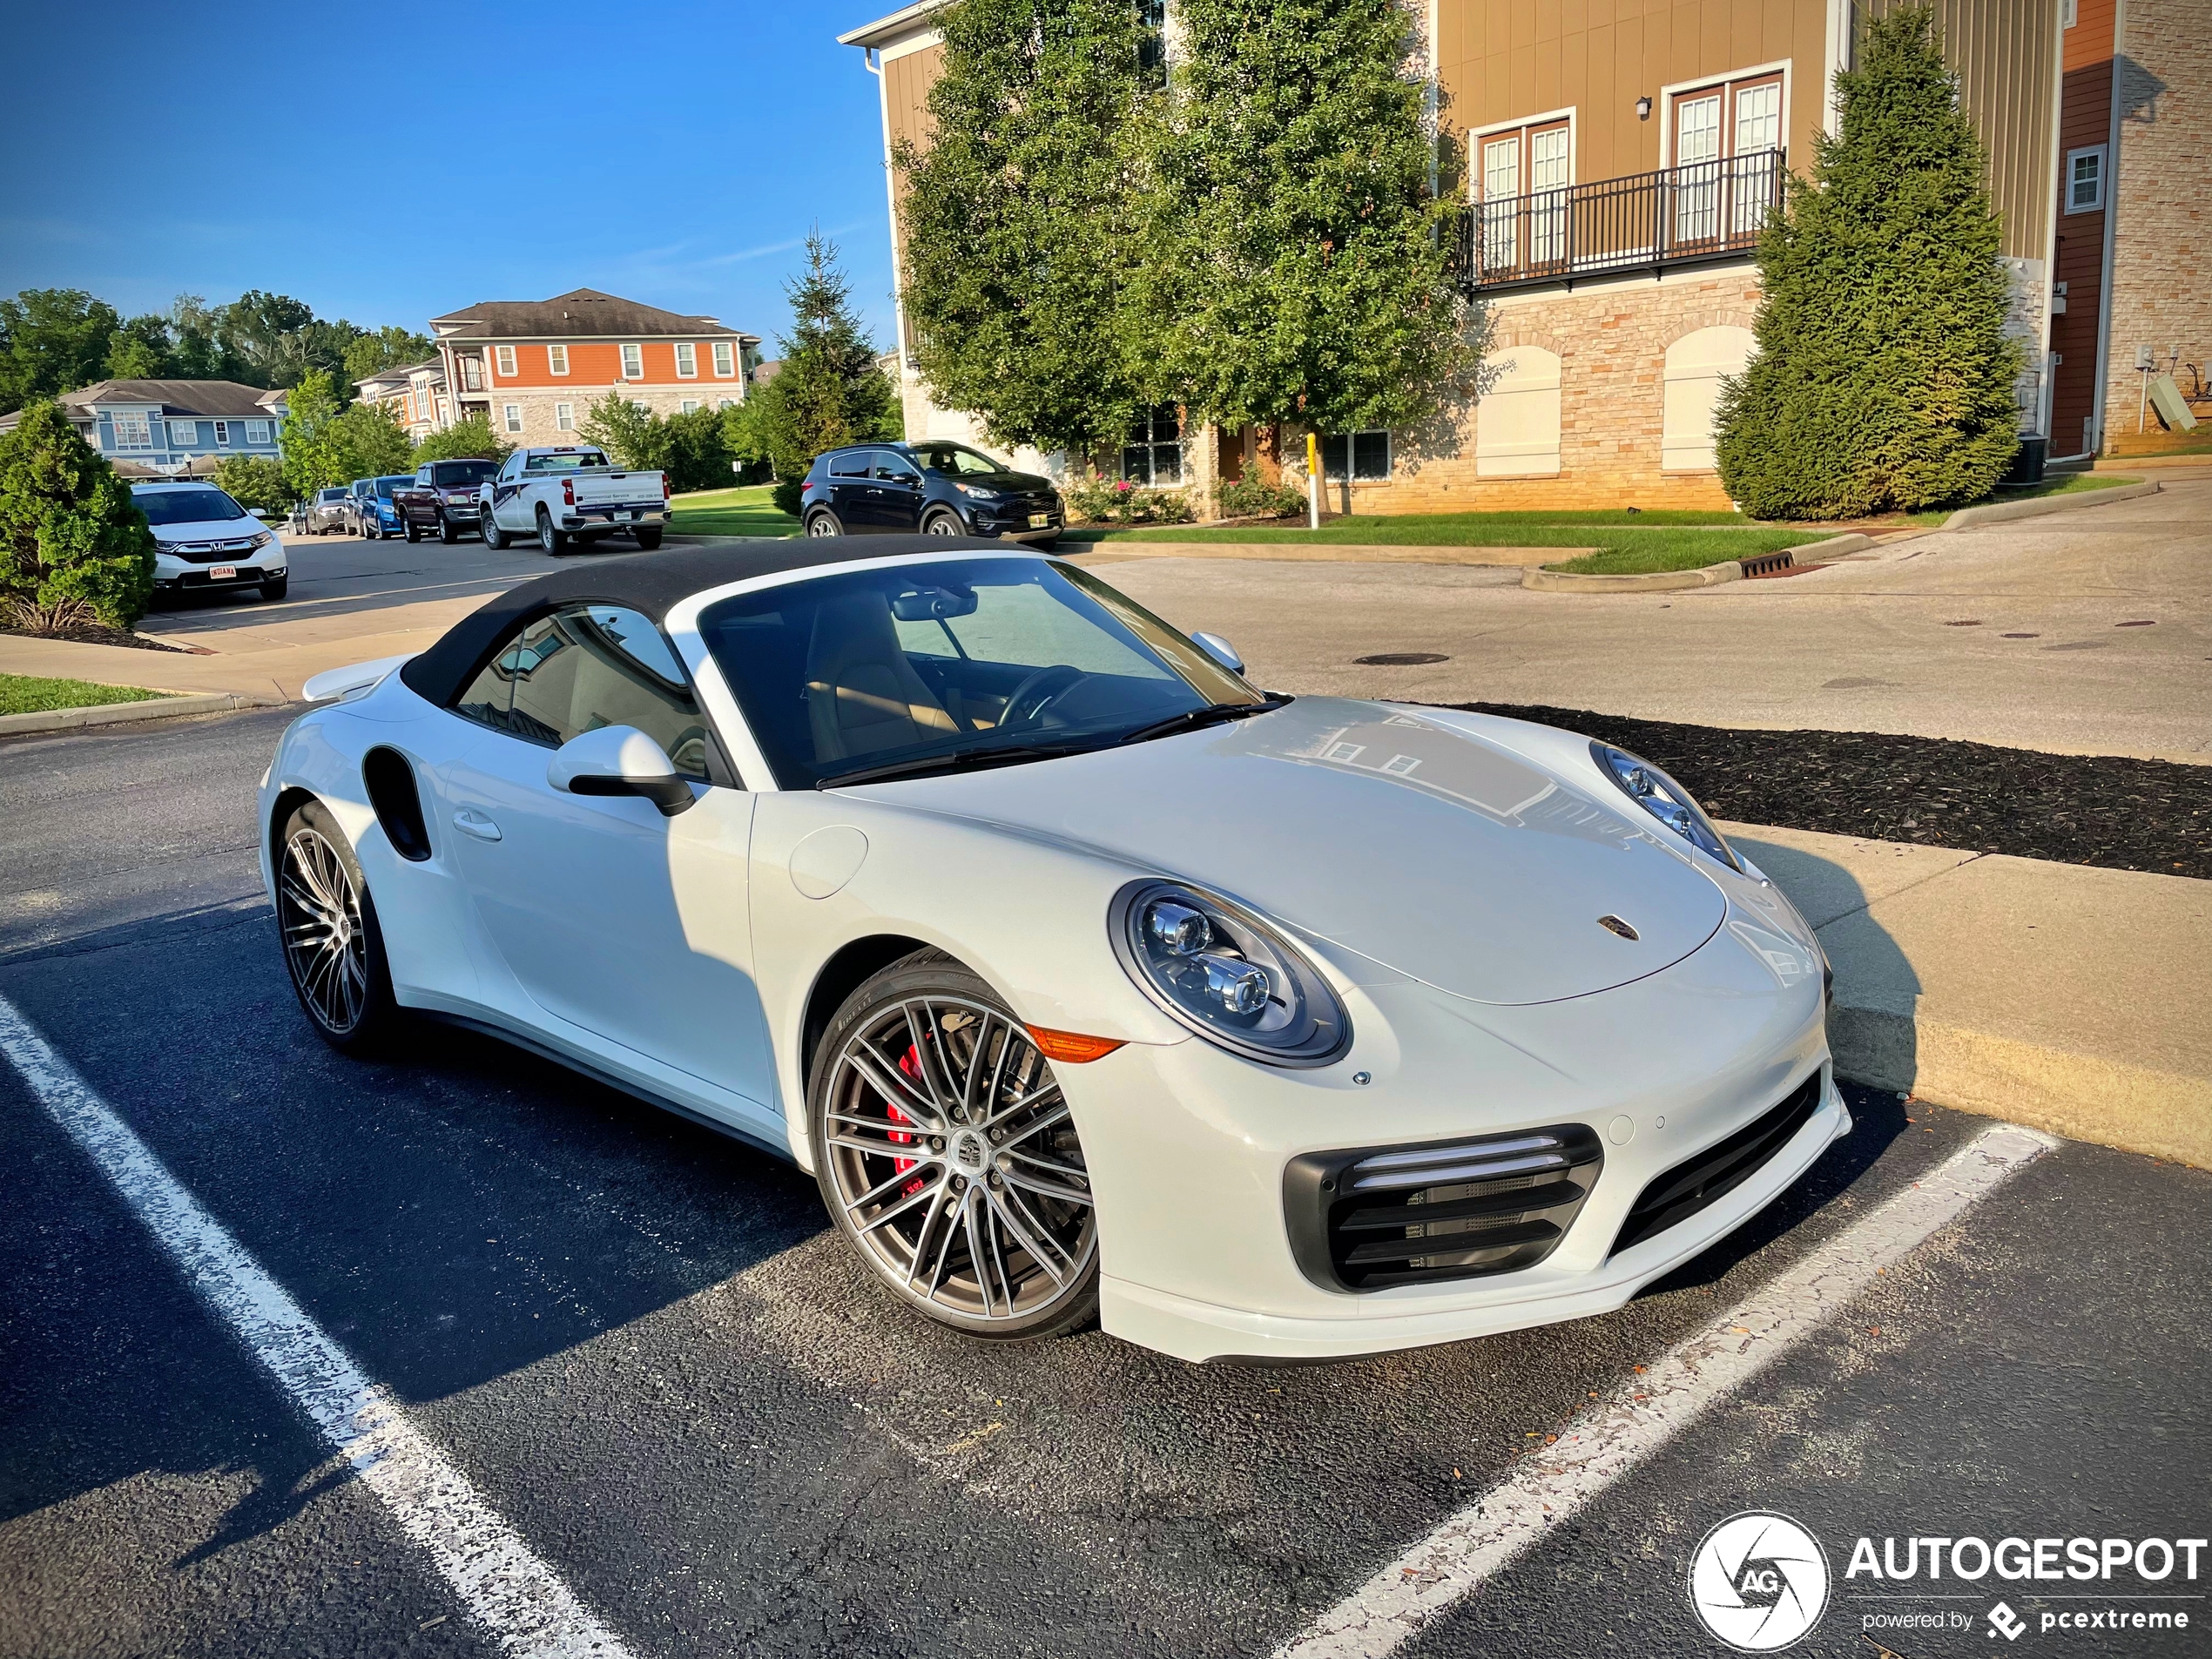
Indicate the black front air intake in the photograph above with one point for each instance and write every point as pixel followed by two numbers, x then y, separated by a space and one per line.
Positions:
pixel 390 778
pixel 1719 1170
pixel 1367 1219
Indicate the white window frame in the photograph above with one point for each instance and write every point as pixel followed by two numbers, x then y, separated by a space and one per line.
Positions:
pixel 257 432
pixel 690 406
pixel 511 416
pixel 1351 456
pixel 222 434
pixel 557 360
pixel 502 358
pixel 142 430
pixel 2069 13
pixel 2102 153
pixel 1723 84
pixel 687 360
pixel 725 359
pixel 564 417
pixel 722 403
pixel 633 363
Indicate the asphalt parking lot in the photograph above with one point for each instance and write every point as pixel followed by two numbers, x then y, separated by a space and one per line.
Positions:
pixel 647 1351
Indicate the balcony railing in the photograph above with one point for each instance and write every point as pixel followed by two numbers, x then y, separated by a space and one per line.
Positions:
pixel 1647 221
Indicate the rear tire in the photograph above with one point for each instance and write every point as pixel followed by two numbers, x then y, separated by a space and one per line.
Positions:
pixel 549 535
pixel 648 539
pixel 332 946
pixel 824 524
pixel 494 537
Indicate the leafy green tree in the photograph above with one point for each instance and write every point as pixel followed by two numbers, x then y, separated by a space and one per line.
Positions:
pixel 698 452
pixel 196 352
pixel 1883 377
pixel 468 439
pixel 139 350
pixel 314 453
pixel 371 440
pixel 1022 218
pixel 1299 263
pixel 745 437
pixel 74 547
pixel 830 390
pixel 624 430
pixel 52 341
pixel 255 480
pixel 388 347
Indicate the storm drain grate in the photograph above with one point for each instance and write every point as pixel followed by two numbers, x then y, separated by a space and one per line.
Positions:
pixel 1768 564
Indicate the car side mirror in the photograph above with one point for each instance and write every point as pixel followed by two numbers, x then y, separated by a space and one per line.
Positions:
pixel 619 760
pixel 1220 650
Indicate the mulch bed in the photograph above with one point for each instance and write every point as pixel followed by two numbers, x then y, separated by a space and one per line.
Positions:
pixel 93 633
pixel 2106 810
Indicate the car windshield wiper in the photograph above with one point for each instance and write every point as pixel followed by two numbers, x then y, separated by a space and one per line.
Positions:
pixel 1212 714
pixel 958 761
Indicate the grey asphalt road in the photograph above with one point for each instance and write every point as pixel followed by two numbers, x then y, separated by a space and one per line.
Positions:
pixel 647 1350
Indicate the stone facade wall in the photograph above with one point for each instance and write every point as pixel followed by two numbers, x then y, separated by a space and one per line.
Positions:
pixel 2162 182
pixel 540 425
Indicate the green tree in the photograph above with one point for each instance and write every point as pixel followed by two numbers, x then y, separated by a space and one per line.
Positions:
pixel 52 341
pixel 139 350
pixel 829 391
pixel 388 347
pixel 371 441
pixel 1021 218
pixel 697 456
pixel 468 439
pixel 1299 261
pixel 255 480
pixel 74 547
pixel 1884 376
pixel 196 352
pixel 314 454
pixel 624 430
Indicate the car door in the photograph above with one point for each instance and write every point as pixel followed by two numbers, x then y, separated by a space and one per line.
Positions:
pixel 852 490
pixel 898 491
pixel 506 490
pixel 611 919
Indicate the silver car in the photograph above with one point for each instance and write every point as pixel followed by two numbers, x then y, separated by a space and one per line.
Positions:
pixel 326 512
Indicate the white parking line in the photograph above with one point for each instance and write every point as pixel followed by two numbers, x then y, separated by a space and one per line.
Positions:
pixel 517 1599
pixel 1612 1437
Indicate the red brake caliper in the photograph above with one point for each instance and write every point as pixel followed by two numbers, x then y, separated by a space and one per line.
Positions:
pixel 910 1065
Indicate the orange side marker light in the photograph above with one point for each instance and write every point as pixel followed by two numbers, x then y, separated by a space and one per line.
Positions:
pixel 1072 1047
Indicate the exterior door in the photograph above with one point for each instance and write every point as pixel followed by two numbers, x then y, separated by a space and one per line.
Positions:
pixel 1757 134
pixel 1548 168
pixel 1697 154
pixel 1501 203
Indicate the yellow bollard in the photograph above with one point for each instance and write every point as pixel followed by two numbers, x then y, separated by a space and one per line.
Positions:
pixel 1313 481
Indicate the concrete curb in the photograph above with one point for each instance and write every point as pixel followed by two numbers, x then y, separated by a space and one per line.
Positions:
pixel 1542 581
pixel 2000 512
pixel 158 708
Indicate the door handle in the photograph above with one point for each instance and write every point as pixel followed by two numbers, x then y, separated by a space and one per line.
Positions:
pixel 470 821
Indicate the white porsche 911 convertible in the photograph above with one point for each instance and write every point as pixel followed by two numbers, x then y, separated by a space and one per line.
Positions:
pixel 1089 982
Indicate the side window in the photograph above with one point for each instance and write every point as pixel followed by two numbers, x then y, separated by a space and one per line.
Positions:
pixel 595 665
pixel 855 465
pixel 891 469
pixel 491 694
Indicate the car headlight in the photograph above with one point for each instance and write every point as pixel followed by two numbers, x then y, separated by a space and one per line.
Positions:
pixel 1217 968
pixel 262 538
pixel 1663 798
pixel 976 492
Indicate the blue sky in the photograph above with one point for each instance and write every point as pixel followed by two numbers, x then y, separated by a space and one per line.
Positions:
pixel 389 165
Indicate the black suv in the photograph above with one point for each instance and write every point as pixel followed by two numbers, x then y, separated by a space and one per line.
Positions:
pixel 937 487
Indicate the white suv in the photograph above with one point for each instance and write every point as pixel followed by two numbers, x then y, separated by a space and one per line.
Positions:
pixel 204 539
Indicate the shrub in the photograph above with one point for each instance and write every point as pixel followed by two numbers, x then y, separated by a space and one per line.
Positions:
pixel 468 439
pixel 1256 498
pixel 1117 501
pixel 786 496
pixel 254 481
pixel 74 547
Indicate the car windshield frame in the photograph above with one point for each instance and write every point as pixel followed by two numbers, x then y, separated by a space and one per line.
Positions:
pixel 153 503
pixel 383 488
pixel 768 642
pixel 581 460
pixel 920 453
pixel 490 470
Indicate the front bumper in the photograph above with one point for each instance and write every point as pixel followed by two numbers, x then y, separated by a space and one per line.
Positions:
pixel 1188 1145
pixel 173 574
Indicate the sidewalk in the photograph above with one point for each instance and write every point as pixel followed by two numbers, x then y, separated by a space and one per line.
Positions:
pixel 2072 999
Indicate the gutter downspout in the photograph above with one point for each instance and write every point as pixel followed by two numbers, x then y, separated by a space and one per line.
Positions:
pixel 2046 381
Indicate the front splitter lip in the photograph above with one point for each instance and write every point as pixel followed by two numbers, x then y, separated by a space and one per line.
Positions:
pixel 1203 1332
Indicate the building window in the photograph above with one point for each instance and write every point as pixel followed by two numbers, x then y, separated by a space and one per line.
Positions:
pixel 725 359
pixel 222 434
pixel 513 417
pixel 1153 452
pixel 564 416
pixel 721 403
pixel 633 363
pixel 2085 179
pixel 257 432
pixel 1724 135
pixel 503 357
pixel 2069 13
pixel 1522 177
pixel 135 432
pixel 472 374
pixel 691 405
pixel 687 360
pixel 1355 457
pixel 556 358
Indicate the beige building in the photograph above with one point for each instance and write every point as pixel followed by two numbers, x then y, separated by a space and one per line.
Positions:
pixel 1621 158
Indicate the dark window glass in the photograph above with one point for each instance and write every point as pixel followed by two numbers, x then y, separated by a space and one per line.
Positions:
pixel 1362 457
pixel 891 470
pixel 595 665
pixel 447 473
pixel 185 505
pixel 1153 452
pixel 850 466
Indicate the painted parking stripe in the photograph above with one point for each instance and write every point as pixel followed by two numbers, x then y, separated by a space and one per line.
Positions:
pixel 517 1599
pixel 1612 1437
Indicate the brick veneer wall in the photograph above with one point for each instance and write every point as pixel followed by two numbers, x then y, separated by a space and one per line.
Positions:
pixel 541 431
pixel 2161 252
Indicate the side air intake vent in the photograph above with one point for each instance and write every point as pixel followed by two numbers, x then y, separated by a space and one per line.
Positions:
pixel 1413 1215
pixel 1683 1191
pixel 390 778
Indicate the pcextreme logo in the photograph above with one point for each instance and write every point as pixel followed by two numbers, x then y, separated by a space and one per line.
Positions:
pixel 1759 1581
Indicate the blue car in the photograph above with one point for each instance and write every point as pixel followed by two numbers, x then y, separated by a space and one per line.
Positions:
pixel 375 514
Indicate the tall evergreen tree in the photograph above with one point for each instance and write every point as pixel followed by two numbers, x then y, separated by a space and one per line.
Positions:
pixel 1020 219
pixel 1883 377
pixel 829 391
pixel 74 547
pixel 1300 261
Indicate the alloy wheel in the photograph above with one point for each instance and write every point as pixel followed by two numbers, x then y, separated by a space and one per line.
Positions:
pixel 326 945
pixel 956 1163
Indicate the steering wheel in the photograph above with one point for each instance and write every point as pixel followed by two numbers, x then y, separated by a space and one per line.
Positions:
pixel 1026 703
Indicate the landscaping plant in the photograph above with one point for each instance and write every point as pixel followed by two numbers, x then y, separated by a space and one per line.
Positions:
pixel 254 481
pixel 74 547
pixel 468 439
pixel 1255 497
pixel 1883 378
pixel 830 391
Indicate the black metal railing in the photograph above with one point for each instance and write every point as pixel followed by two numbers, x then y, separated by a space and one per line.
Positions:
pixel 1647 221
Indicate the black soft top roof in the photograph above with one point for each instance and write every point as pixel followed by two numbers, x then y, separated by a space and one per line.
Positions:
pixel 653 584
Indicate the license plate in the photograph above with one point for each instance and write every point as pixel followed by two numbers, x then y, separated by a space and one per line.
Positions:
pixel 223 573
pixel 636 514
pixel 1038 521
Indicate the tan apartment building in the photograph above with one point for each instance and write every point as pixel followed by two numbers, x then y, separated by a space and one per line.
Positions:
pixel 1621 158
pixel 533 367
pixel 414 393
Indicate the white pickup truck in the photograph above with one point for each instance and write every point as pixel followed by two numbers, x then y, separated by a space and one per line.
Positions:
pixel 571 494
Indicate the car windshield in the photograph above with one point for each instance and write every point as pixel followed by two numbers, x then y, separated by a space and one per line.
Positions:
pixel 185 505
pixel 949 660
pixel 461 472
pixel 955 458
pixel 568 461
pixel 386 486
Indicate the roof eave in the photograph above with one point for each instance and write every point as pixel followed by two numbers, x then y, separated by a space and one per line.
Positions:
pixel 886 31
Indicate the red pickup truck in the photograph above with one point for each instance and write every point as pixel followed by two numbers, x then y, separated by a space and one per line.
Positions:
pixel 443 501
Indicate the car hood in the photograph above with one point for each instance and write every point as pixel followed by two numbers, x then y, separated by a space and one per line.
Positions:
pixel 1014 483
pixel 1442 855
pixel 212 530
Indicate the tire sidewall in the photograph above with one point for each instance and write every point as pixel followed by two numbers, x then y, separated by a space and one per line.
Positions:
pixel 379 1010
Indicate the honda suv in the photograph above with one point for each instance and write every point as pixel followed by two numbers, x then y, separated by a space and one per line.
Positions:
pixel 937 487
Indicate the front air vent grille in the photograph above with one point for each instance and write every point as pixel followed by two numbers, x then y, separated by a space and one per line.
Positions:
pixel 1694 1183
pixel 1367 1219
pixel 390 779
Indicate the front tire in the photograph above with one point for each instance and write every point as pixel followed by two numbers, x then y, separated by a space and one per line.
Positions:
pixel 549 535
pixel 277 589
pixel 334 949
pixel 949 1158
pixel 494 537
pixel 943 524
pixel 447 532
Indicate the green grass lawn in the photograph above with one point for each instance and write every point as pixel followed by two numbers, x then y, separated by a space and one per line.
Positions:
pixel 32 694
pixel 745 510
